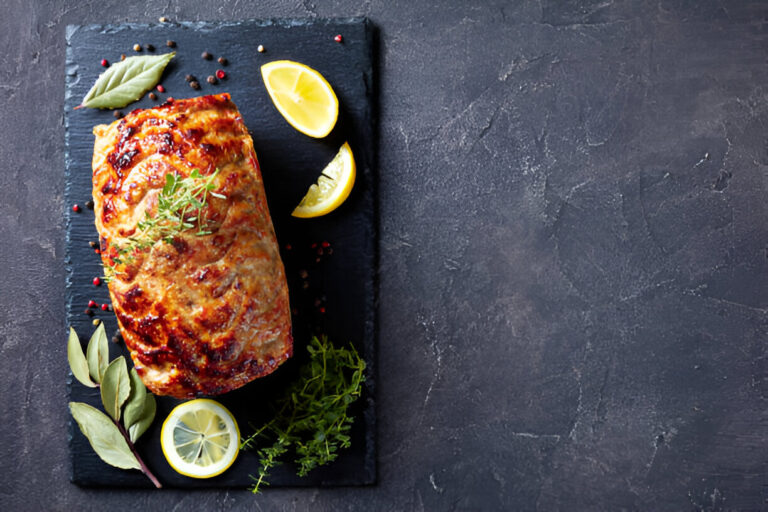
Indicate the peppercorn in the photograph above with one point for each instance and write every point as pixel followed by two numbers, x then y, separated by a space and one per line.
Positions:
pixel 305 285
pixel 97 251
pixel 76 208
pixel 288 247
pixel 89 205
pixel 117 114
pixel 122 56
pixel 325 244
pixel 337 38
pixel 93 244
pixel 96 281
pixel 194 84
pixel 170 44
pixel 211 79
pixel 304 274
pixel 207 56
pixel 104 63
pixel 322 310
pixel 117 338
pixel 137 47
pixel 160 88
pixel 104 307
pixel 91 303
pixel 88 312
pixel 221 74
pixel 163 19
pixel 260 48
pixel 152 96
pixel 96 321
pixel 223 61
pixel 149 47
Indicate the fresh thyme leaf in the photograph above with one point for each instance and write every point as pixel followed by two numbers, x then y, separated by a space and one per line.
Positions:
pixel 180 206
pixel 313 420
pixel 124 82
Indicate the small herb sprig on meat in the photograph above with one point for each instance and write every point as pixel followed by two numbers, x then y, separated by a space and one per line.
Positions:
pixel 179 208
pixel 313 418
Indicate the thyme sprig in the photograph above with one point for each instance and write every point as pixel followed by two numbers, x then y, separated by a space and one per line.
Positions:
pixel 180 206
pixel 313 419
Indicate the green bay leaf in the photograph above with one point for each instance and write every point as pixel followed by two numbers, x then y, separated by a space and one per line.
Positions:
pixel 135 404
pixel 115 387
pixel 126 81
pixel 98 353
pixel 145 419
pixel 104 436
pixel 77 362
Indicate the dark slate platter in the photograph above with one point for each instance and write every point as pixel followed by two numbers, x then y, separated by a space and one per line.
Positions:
pixel 343 282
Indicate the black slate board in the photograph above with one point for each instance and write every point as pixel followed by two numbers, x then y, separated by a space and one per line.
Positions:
pixel 344 281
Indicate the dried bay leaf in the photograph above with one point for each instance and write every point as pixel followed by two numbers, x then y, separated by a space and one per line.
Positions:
pixel 104 436
pixel 126 81
pixel 145 419
pixel 135 404
pixel 115 387
pixel 98 353
pixel 77 362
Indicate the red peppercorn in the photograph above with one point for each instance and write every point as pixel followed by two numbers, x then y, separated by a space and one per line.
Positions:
pixel 322 310
pixel 314 245
pixel 325 244
pixel 104 63
pixel 91 303
pixel 221 74
pixel 96 281
pixel 338 38
pixel 104 307
pixel 76 208
pixel 160 88
pixel 97 251
pixel 288 247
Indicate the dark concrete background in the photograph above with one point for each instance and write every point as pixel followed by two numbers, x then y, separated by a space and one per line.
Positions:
pixel 573 304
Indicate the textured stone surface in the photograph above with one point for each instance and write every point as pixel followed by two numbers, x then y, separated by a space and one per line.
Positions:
pixel 573 257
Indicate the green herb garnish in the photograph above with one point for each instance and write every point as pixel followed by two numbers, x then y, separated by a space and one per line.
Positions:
pixel 126 81
pixel 180 207
pixel 313 419
pixel 121 392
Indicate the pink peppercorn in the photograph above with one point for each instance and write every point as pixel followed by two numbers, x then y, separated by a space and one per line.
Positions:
pixel 96 281
pixel 221 74
pixel 338 38
pixel 104 63
pixel 76 208
pixel 104 307
pixel 160 88
pixel 91 303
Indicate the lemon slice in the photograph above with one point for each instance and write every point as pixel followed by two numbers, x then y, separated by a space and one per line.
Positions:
pixel 200 438
pixel 332 187
pixel 304 98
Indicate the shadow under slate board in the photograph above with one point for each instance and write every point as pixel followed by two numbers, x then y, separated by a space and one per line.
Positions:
pixel 331 293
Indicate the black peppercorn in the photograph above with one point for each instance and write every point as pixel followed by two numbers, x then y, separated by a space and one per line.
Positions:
pixel 93 244
pixel 89 311
pixel 211 79
pixel 207 56
pixel 223 61
pixel 152 96
pixel 189 78
pixel 149 47
pixel 170 44
pixel 89 205
pixel 194 84
pixel 117 114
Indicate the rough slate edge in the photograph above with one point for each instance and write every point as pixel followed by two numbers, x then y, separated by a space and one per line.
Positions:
pixel 281 477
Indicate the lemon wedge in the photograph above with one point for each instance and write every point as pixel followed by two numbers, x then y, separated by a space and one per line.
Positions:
pixel 304 98
pixel 200 438
pixel 332 187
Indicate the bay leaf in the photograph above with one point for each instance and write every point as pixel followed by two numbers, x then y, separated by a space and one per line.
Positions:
pixel 145 419
pixel 135 404
pixel 104 436
pixel 77 362
pixel 126 81
pixel 98 353
pixel 115 387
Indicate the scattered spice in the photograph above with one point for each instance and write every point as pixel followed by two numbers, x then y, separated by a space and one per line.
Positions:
pixel 221 74
pixel 117 338
pixel 104 63
pixel 93 244
pixel 305 285
pixel 96 321
pixel 261 48
pixel 288 247
pixel 325 244
pixel 76 208
pixel 314 245
pixel 194 84
pixel 163 19
pixel 152 96
pixel 149 47
pixel 137 47
pixel 211 80
pixel 222 60
pixel 96 281
pixel 88 311
pixel 117 114
pixel 122 56
pixel 97 251
pixel 207 55
pixel 170 44
pixel 338 38
pixel 322 310
pixel 304 274
pixel 91 303
pixel 189 78
pixel 160 88
pixel 89 205
pixel 104 307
